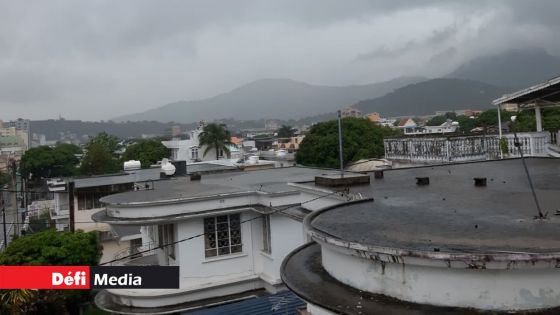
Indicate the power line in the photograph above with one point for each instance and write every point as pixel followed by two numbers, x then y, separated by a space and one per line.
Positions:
pixel 277 210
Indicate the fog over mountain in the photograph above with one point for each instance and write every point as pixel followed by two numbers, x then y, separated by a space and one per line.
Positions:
pixel 516 68
pixel 96 60
pixel 272 99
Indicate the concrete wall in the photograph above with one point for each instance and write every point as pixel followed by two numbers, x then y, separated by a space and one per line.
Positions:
pixel 524 286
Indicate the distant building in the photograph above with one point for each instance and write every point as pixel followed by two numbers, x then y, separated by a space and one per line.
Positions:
pixel 387 122
pixel 374 117
pixel 271 125
pixel 407 123
pixel 351 112
pixel 175 130
pixel 291 143
pixel 447 127
pixel 191 151
pixel 88 191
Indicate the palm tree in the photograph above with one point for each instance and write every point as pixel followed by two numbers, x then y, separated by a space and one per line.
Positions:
pixel 285 132
pixel 17 301
pixel 215 136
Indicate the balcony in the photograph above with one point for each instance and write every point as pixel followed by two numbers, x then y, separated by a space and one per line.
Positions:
pixel 465 148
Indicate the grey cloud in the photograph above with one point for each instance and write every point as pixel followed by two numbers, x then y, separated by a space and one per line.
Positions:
pixel 100 59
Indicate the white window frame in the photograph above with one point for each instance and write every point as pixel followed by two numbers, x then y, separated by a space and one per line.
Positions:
pixel 166 236
pixel 194 153
pixel 226 229
pixel 267 237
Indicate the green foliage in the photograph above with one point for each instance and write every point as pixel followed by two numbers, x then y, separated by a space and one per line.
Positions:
pixel 50 248
pixel 490 117
pixel 361 139
pixel 44 161
pixel 438 120
pixel 110 142
pixel 526 120
pixel 147 151
pixel 504 146
pixel 215 136
pixel 101 156
pixel 286 131
pixel 466 124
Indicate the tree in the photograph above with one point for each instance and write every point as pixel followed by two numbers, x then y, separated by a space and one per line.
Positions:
pixel 490 117
pixel 215 136
pixel 52 248
pixel 98 160
pixel 361 139
pixel 438 120
pixel 146 151
pixel 49 248
pixel 101 156
pixel 107 141
pixel 466 124
pixel 286 131
pixel 44 161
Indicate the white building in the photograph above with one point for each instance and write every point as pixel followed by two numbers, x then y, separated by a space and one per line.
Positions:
pixel 191 151
pixel 447 127
pixel 227 232
pixel 87 192
pixel 452 239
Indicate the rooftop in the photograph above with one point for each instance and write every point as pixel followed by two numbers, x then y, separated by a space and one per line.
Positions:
pixel 141 175
pixel 546 94
pixel 303 273
pixel 451 214
pixel 285 303
pixel 269 180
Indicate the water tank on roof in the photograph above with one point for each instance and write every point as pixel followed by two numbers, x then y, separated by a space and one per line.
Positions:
pixel 132 165
pixel 167 167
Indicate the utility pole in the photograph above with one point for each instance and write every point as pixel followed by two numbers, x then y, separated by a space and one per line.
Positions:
pixel 15 204
pixel 71 205
pixel 4 222
pixel 341 156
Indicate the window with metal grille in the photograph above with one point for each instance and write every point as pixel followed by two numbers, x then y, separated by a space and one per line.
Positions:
pixel 267 246
pixel 222 235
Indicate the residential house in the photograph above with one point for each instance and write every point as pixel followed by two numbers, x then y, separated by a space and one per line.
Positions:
pixel 87 192
pixel 350 112
pixel 374 117
pixel 228 233
pixel 406 123
pixel 191 151
pixel 447 127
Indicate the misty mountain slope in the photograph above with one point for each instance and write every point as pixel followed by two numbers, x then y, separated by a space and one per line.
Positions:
pixel 429 96
pixel 271 99
pixel 516 68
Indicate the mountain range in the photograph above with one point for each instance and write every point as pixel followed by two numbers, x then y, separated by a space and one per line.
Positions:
pixel 472 85
pixel 426 97
pixel 272 99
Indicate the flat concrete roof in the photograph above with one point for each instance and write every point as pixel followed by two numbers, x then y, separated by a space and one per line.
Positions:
pixel 270 180
pixel 303 273
pixel 141 175
pixel 451 214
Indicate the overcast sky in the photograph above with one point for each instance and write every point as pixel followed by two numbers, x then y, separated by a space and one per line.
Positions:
pixel 95 60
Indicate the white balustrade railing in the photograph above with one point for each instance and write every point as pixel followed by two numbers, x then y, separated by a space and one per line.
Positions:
pixel 464 148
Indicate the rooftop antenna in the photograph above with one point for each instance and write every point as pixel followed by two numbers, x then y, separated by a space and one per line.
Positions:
pixel 517 144
pixel 340 144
